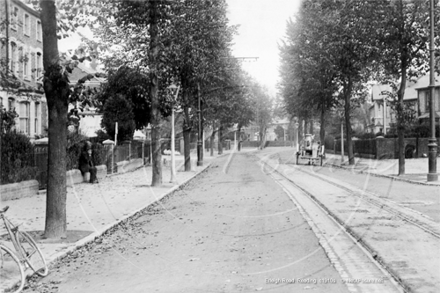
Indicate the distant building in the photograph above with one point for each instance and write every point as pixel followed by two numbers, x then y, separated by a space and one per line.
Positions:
pixel 382 116
pixel 21 59
pixel 90 120
pixel 423 97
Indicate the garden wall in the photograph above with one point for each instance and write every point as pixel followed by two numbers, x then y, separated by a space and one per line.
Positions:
pixel 18 190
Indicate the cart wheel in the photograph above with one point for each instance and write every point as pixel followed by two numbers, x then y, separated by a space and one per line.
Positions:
pixel 297 159
pixel 322 158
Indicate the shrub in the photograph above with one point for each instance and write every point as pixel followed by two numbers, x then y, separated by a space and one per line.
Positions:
pixel 367 135
pixel 118 109
pixel 99 154
pixel 17 155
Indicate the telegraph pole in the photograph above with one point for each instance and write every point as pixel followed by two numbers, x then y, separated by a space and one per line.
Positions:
pixel 432 145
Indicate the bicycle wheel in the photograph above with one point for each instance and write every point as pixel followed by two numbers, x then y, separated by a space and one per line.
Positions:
pixel 33 255
pixel 11 272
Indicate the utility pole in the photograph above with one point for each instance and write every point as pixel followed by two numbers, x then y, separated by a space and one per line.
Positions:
pixel 432 145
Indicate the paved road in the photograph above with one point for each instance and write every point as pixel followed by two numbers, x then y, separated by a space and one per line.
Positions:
pixel 233 229
pixel 403 237
pixel 421 198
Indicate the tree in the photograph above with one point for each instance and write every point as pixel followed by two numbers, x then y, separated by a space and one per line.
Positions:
pixel 7 119
pixel 56 88
pixel 403 39
pixel 118 109
pixel 308 81
pixel 132 84
pixel 199 42
pixel 148 16
pixel 336 51
pixel 58 92
pixel 262 109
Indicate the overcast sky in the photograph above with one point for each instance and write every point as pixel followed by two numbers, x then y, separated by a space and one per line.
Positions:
pixel 262 25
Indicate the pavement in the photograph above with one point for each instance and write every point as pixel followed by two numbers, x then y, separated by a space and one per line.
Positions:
pixel 93 209
pixel 416 170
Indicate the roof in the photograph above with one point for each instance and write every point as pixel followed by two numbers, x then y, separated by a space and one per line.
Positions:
pixel 82 70
pixel 410 91
pixel 26 6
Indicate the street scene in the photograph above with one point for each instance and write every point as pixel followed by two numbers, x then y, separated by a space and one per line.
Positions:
pixel 219 146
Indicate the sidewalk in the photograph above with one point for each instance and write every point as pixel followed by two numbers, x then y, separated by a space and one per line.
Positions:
pixel 416 170
pixel 93 209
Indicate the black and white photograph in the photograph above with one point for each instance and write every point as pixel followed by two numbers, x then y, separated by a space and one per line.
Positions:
pixel 224 146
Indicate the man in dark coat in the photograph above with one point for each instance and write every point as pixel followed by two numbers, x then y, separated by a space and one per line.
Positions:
pixel 86 164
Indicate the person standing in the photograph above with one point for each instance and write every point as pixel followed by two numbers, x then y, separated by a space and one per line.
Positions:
pixel 86 164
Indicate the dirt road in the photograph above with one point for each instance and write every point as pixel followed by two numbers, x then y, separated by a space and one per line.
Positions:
pixel 232 229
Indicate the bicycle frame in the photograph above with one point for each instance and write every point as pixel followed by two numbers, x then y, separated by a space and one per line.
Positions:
pixel 12 229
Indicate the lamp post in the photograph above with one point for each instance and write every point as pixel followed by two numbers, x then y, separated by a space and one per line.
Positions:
pixel 296 136
pixel 432 145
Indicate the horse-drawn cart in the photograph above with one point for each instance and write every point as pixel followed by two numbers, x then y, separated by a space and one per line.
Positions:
pixel 310 152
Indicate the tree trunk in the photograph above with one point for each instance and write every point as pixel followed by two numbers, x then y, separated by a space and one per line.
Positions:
pixel 220 144
pixel 262 137
pixel 400 122
pixel 312 130
pixel 212 140
pixel 155 112
pixel 187 137
pixel 239 139
pixel 56 88
pixel 322 128
pixel 347 96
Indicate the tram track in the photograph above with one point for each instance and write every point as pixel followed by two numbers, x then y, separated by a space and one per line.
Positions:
pixel 412 217
pixel 363 239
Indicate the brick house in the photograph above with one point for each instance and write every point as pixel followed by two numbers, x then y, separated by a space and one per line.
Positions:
pixel 21 55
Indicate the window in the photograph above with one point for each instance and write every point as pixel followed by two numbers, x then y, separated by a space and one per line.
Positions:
pixel 37 112
pixel 27 25
pixel 14 55
pixel 39 66
pixel 14 18
pixel 39 31
pixel 24 117
pixel 11 104
pixel 26 66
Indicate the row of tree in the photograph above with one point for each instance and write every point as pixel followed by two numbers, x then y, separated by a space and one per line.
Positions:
pixel 335 48
pixel 147 47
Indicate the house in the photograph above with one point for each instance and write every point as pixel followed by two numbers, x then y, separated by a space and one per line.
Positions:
pixel 90 119
pixel 382 116
pixel 21 53
pixel 271 132
pixel 422 90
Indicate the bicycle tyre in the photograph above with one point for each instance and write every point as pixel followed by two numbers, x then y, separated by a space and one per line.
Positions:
pixel 11 271
pixel 32 253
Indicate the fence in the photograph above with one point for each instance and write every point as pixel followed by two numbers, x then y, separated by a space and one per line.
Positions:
pixel 126 152
pixel 382 148
pixel 38 158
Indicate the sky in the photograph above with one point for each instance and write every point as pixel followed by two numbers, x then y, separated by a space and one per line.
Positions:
pixel 262 26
